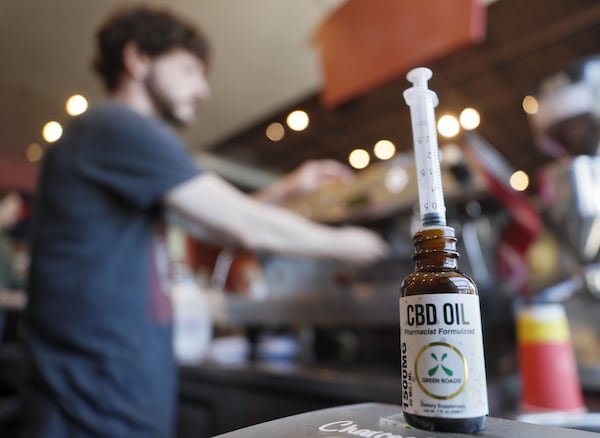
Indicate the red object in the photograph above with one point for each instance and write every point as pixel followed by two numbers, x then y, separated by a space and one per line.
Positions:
pixel 365 43
pixel 525 222
pixel 549 378
pixel 243 271
pixel 18 174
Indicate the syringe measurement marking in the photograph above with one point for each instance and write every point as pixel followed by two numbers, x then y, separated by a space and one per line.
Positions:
pixel 435 183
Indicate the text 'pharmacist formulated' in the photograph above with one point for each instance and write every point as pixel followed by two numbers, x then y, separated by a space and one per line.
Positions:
pixel 441 341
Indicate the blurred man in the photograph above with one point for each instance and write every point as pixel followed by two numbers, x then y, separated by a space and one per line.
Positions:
pixel 98 319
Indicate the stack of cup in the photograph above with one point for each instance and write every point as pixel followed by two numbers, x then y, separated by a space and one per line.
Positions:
pixel 549 378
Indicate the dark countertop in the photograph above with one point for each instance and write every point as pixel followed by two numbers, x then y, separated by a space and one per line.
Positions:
pixel 385 420
pixel 299 379
pixel 277 390
pixel 353 385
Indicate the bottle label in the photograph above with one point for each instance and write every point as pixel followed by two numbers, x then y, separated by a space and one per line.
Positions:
pixel 442 361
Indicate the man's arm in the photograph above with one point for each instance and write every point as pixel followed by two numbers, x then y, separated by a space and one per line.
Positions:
pixel 12 299
pixel 210 202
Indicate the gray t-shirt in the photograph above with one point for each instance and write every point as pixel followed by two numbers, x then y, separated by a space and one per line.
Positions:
pixel 98 322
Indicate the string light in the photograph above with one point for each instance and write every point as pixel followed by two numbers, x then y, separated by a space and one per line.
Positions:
pixel 359 158
pixel 530 105
pixel 52 131
pixel 469 119
pixel 519 181
pixel 297 120
pixel 384 149
pixel 448 126
pixel 34 153
pixel 76 104
pixel 275 131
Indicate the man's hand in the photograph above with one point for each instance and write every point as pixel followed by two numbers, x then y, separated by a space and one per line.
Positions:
pixel 359 245
pixel 12 300
pixel 315 173
pixel 306 178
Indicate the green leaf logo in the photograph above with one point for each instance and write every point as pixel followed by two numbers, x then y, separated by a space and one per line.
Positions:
pixel 439 363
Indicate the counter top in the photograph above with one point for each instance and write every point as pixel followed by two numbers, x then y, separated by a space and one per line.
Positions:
pixel 277 390
pixel 385 421
pixel 356 384
pixel 294 377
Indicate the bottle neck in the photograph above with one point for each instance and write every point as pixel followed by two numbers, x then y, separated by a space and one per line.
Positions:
pixel 435 249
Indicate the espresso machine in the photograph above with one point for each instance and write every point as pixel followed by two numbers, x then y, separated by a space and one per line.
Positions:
pixel 566 126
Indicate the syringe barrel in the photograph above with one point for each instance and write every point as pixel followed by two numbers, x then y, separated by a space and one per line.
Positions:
pixel 421 102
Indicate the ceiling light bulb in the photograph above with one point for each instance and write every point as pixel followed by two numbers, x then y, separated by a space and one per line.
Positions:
pixel 275 131
pixel 384 149
pixel 530 105
pixel 297 120
pixel 52 131
pixel 448 126
pixel 359 158
pixel 519 181
pixel 469 119
pixel 34 153
pixel 76 104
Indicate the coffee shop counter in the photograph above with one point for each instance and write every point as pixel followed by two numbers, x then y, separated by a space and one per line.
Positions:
pixel 378 420
pixel 216 398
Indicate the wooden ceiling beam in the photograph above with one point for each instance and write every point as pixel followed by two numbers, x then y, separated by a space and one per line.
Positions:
pixel 536 40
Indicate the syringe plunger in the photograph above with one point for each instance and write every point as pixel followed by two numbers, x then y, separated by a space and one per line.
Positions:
pixel 419 76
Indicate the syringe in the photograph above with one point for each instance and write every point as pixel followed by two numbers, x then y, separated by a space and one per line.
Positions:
pixel 421 101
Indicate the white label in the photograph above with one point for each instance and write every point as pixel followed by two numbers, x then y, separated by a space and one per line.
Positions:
pixel 442 362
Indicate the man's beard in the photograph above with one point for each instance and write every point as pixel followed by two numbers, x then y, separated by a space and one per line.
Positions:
pixel 164 106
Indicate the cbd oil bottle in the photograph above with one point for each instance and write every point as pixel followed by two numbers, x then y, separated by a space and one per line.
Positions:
pixel 442 361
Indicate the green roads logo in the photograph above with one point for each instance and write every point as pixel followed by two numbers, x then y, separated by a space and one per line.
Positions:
pixel 433 370
pixel 441 370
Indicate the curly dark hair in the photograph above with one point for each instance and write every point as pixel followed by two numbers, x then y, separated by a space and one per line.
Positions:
pixel 155 31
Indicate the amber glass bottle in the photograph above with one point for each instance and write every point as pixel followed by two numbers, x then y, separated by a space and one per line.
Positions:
pixel 442 362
